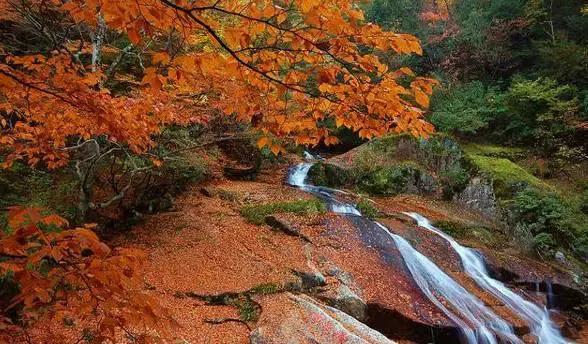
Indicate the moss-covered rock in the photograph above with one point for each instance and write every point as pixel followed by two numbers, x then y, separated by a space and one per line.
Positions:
pixel 403 178
pixel 511 153
pixel 329 175
pixel 459 230
pixel 508 177
pixel 257 213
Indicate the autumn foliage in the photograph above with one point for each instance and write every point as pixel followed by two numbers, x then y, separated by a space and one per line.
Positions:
pixel 68 284
pixel 86 80
pixel 284 66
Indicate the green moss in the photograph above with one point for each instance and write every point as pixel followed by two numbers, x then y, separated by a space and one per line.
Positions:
pixel 508 177
pixel 459 230
pixel 493 151
pixel 367 209
pixel 266 289
pixel 328 175
pixel 256 213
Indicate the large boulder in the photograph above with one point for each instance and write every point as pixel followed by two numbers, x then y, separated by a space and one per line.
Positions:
pixel 479 195
pixel 344 294
pixel 289 318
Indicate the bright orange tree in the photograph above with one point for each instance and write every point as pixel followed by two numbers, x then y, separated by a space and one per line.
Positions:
pixel 283 65
pixel 68 286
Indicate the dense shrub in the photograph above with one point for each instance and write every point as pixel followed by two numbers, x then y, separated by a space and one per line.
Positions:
pixel 466 110
pixel 538 112
pixel 26 186
pixel 564 60
pixel 550 220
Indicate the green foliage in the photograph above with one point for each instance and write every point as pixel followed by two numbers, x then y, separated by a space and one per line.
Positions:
pixel 475 17
pixel 367 209
pixel 584 202
pixel 550 219
pixel 467 109
pixel 438 153
pixel 53 190
pixel 256 213
pixel 185 170
pixel 396 15
pixel 538 211
pixel 544 242
pixel 564 60
pixel 539 111
pixel 247 308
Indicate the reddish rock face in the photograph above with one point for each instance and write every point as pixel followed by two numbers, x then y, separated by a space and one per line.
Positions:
pixel 395 304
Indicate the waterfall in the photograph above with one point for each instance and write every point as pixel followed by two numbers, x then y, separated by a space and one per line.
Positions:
pixel 473 264
pixel 477 322
pixel 481 324
pixel 298 174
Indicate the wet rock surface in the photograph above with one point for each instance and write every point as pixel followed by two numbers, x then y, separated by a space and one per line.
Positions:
pixel 356 286
pixel 378 269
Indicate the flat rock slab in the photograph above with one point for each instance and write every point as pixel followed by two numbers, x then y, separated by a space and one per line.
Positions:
pixel 289 318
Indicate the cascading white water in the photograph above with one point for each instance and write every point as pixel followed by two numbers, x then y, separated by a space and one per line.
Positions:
pixel 343 208
pixel 298 174
pixel 473 264
pixel 482 324
pixel 476 321
pixel 297 177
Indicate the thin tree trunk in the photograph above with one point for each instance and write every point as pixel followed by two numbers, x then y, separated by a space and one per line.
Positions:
pixel 97 42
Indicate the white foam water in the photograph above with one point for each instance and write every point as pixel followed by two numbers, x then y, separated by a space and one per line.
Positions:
pixel 343 208
pixel 476 321
pixel 473 264
pixel 481 324
pixel 298 174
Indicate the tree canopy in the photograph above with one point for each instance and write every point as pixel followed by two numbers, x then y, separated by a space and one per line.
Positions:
pixel 284 66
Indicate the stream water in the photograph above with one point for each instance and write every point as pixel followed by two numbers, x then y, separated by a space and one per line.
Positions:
pixel 473 264
pixel 477 322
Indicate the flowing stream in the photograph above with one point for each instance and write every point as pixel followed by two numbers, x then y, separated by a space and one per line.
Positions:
pixel 473 264
pixel 477 322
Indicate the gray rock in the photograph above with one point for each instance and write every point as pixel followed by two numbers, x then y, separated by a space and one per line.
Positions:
pixel 289 318
pixel 479 195
pixel 560 257
pixel 282 225
pixel 342 295
pixel 426 183
pixel 309 280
